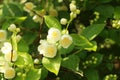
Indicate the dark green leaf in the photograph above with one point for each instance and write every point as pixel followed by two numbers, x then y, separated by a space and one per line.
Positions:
pixel 105 10
pixel 91 74
pixel 71 62
pixel 117 12
pixel 92 31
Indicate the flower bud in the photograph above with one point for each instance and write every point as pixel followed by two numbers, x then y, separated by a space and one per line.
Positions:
pixel 12 27
pixel 63 21
pixel 72 7
pixel 36 18
pixel 28 6
pixel 36 61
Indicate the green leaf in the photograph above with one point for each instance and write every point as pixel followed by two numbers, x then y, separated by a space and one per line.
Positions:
pixel 28 38
pixel 91 74
pixel 23 46
pixel 52 22
pixel 105 10
pixel 71 62
pixel 33 74
pixel 81 41
pixel 20 61
pixel 11 10
pixel 92 48
pixel 66 51
pixel 117 12
pixel 29 23
pixel 26 57
pixel 44 73
pixel 92 31
pixel 104 1
pixel 52 64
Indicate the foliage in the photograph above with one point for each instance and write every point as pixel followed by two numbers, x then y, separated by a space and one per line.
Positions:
pixel 59 39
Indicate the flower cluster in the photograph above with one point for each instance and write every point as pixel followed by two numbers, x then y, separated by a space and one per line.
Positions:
pixel 9 55
pixel 111 77
pixel 116 24
pixel 73 9
pixel 9 52
pixel 54 38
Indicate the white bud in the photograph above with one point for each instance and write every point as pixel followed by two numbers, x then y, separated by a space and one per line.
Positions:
pixel 28 6
pixel 73 15
pixel 18 38
pixel 63 21
pixel 36 18
pixel 36 61
pixel 12 27
pixel 72 7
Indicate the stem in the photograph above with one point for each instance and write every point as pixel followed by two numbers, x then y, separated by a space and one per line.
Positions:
pixel 68 24
pixel 77 51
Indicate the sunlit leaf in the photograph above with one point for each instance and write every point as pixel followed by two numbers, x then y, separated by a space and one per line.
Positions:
pixel 52 22
pixel 52 64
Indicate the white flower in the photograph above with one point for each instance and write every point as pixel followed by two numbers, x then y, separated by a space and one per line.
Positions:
pixel 3 65
pixel 53 35
pixel 66 41
pixel 3 35
pixel 63 21
pixel 6 48
pixel 9 73
pixel 28 6
pixel 11 56
pixel 48 50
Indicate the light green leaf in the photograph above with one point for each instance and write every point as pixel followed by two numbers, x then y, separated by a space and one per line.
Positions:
pixel 117 12
pixel 26 57
pixel 23 46
pixel 52 64
pixel 11 10
pixel 91 74
pixel 52 22
pixel 33 74
pixel 81 41
pixel 92 31
pixel 92 48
